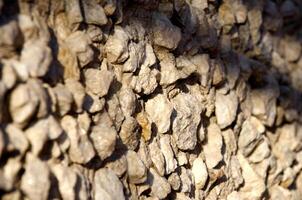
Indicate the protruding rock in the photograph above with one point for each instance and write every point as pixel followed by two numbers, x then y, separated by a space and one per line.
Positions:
pixel 165 34
pixel 23 104
pixel 103 137
pixel 160 109
pixel 81 149
pixel 226 108
pixel 98 81
pixel 117 46
pixel 159 185
pixel 107 185
pixel 136 169
pixel 35 182
pixel 187 120
pixel 200 173
pixel 213 147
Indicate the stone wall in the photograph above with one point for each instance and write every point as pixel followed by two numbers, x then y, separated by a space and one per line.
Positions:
pixel 150 99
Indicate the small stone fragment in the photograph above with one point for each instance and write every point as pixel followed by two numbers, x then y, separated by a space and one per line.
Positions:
pixel 164 33
pixel 77 91
pixel 23 104
pixel 187 119
pixel 226 108
pixel 136 169
pixel 157 157
pixel 129 133
pixel 174 181
pixel 213 147
pixel 94 13
pixel 160 109
pixel 160 187
pixel 35 182
pixel 117 46
pixel 200 173
pixel 98 81
pixel 16 139
pixel 79 43
pixel 165 147
pixel 107 185
pixel 81 149
pixel 103 137
pixel 250 134
pixel 64 99
pixel 67 179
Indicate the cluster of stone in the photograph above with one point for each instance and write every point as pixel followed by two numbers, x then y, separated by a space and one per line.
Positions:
pixel 150 99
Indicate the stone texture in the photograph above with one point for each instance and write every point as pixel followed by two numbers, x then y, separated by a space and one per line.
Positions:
pixel 149 99
pixel 160 187
pixel 213 147
pixel 136 169
pixel 98 81
pixel 200 173
pixel 35 187
pixel 186 122
pixel 107 185
pixel 81 149
pixel 226 108
pixel 165 147
pixel 160 110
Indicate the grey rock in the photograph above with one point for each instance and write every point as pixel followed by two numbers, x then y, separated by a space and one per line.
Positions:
pixel 136 56
pixel 9 76
pixel 164 33
pixel 174 181
pixel 81 149
pixel 74 13
pixel 157 157
pixel 165 147
pixel 103 137
pixel 136 170
pixel 250 135
pixel 117 46
pixel 36 56
pixel 128 101
pixel 98 81
pixel 213 147
pixel 107 185
pixel 67 179
pixel 254 186
pixel 186 180
pixel 35 187
pixel 64 98
pixel 77 91
pixel 160 110
pixel 79 44
pixel 23 104
pixel 94 13
pixel 129 133
pixel 92 103
pixel 16 139
pixel 160 187
pixel 187 120
pixel 37 134
pixel 226 108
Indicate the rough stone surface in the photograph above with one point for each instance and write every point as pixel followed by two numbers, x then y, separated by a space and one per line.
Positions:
pixel 160 109
pixel 107 185
pixel 226 108
pixel 150 99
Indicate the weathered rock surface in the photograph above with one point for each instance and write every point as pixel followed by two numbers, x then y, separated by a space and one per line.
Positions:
pixel 150 99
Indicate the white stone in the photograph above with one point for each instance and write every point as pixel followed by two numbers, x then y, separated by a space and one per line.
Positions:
pixel 160 109
pixel 213 147
pixel 226 108
pixel 200 173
